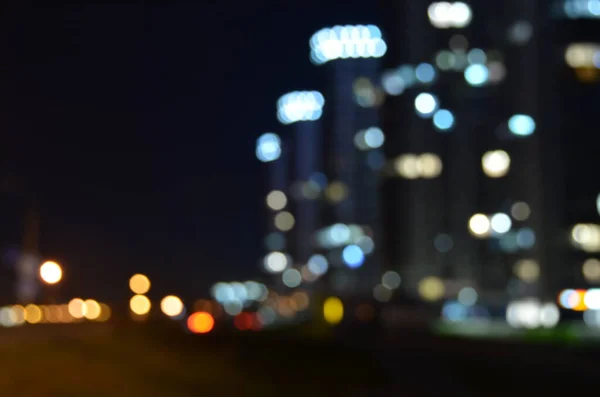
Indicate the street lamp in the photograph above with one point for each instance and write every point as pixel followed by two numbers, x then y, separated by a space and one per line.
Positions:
pixel 51 272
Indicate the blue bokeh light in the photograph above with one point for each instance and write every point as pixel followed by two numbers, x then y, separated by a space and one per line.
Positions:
pixel 443 120
pixel 353 256
pixel 477 74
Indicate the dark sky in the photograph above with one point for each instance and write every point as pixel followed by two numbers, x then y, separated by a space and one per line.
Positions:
pixel 136 125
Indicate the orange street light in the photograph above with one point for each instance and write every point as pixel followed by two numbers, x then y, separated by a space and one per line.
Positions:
pixel 51 272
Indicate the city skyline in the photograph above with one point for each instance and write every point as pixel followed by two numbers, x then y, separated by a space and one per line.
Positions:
pixel 64 192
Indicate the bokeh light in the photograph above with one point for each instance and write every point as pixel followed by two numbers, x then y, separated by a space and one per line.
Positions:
pixel 284 221
pixel 171 305
pixel 200 322
pixel 139 304
pixel 431 288
pixel 276 200
pixel 139 284
pixel 479 225
pixel 495 163
pixel 93 310
pixel 50 272
pixel 33 314
pixel 333 310
pixel 77 308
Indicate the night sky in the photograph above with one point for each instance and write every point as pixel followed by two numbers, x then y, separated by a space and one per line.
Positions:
pixel 135 127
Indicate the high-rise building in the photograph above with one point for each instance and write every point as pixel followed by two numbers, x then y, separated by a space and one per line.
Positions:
pixel 348 55
pixel 472 120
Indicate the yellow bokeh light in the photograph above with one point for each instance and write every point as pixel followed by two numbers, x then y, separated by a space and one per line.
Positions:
pixel 480 225
pixel 63 314
pixel 201 322
pixel 92 309
pixel 139 284
pixel 407 166
pixel 140 304
pixel 50 314
pixel 284 221
pixel 50 272
pixel 336 192
pixel 77 308
pixel 171 305
pixel 33 314
pixel 105 313
pixel 18 314
pixel 431 288
pixel 527 270
pixel 495 163
pixel 276 200
pixel 333 310
pixel 429 165
pixel 591 270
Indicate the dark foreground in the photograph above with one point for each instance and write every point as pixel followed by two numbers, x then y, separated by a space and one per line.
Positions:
pixel 156 360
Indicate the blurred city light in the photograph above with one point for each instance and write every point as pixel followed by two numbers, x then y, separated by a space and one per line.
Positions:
pixel 527 270
pixel 425 73
pixel 200 322
pixel 342 42
pixel 591 270
pixel 520 211
pixel 586 237
pixel 581 9
pixel 531 314
pixel 520 32
pixel 521 125
pixel 333 310
pixel 77 308
pixel 495 163
pixel 392 83
pixel 318 265
pixel 381 293
pixel 276 200
pixel 371 138
pixel 582 55
pixel 431 288
pixel 468 296
pixel 105 313
pixel 93 310
pixel 444 15
pixel 500 223
pixel 268 147
pixel 480 225
pixel 33 314
pixel 391 279
pixel 291 278
pixel 411 166
pixel 426 104
pixel 50 272
pixel 353 256
pixel 284 221
pixel 477 74
pixel 300 106
pixel 443 120
pixel 276 262
pixel 172 306
pixel 139 284
pixel 139 304
pixel 476 56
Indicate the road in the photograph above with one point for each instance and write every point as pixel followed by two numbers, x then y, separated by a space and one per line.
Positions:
pixel 416 363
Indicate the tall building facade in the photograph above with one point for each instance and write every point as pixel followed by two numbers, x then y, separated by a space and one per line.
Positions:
pixel 348 56
pixel 473 191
